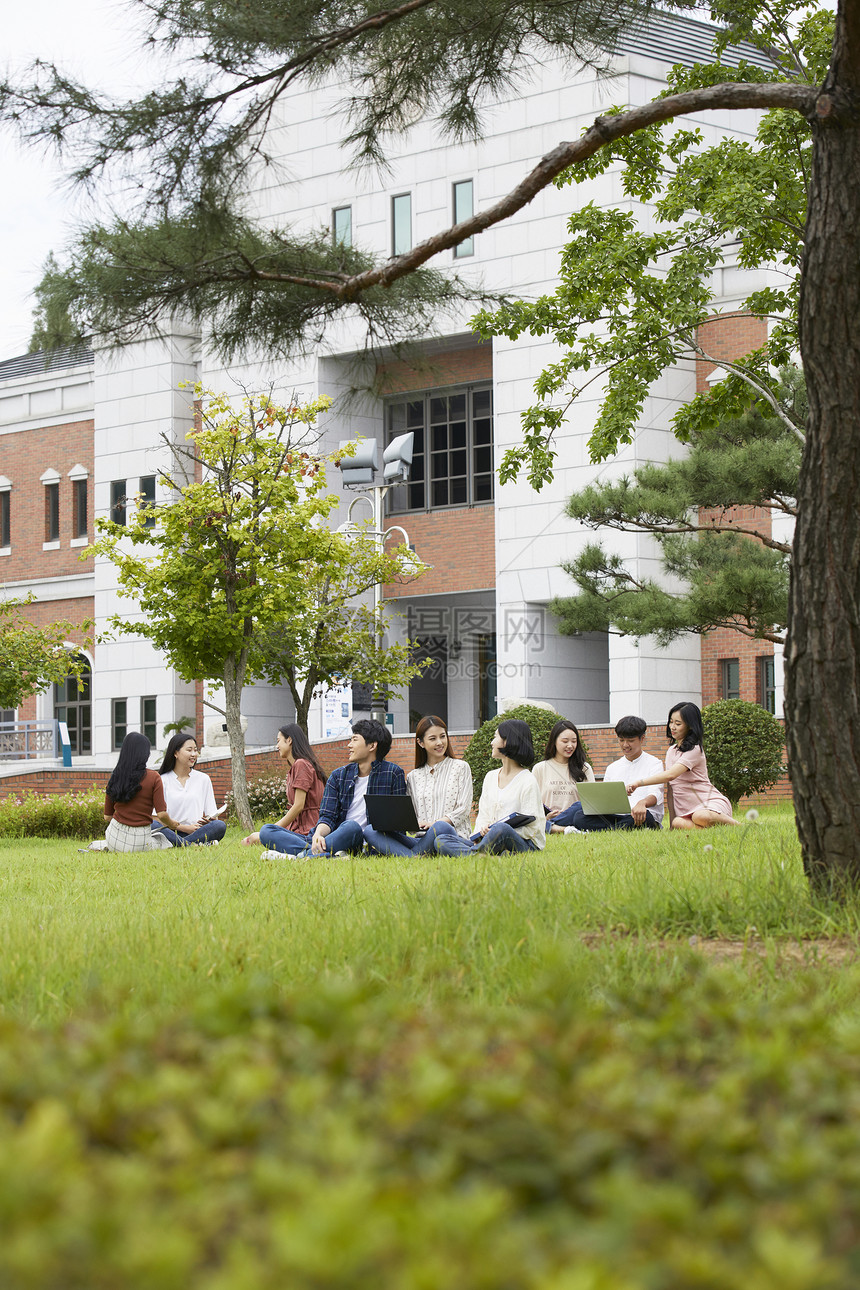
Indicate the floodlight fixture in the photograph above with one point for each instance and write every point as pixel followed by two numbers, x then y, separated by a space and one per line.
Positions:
pixel 359 468
pixel 397 459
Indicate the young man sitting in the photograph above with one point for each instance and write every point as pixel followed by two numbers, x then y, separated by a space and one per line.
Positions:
pixel 343 814
pixel 646 804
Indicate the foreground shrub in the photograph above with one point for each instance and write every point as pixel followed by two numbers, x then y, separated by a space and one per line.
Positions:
pixel 266 795
pixel 743 744
pixel 670 1135
pixel 539 720
pixel 68 815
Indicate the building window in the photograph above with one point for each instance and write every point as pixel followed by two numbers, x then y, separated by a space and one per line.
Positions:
pixel 401 224
pixel 767 683
pixel 452 462
pixel 72 704
pixel 464 208
pixel 5 518
pixel 79 508
pixel 147 498
pixel 118 500
pixel 119 721
pixel 730 678
pixel 52 512
pixel 148 718
pixel 341 225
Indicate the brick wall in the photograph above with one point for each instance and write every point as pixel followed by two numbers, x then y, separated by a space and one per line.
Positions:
pixel 24 456
pixel 460 545
pixel 428 372
pixel 43 612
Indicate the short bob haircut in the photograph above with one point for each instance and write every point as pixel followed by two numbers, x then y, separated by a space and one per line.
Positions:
pixel 301 750
pixel 631 728
pixel 518 742
pixel 576 764
pixel 692 718
pixel 177 741
pixel 425 724
pixel 374 732
pixel 130 767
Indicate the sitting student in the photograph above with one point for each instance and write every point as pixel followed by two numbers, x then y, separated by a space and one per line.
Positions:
pixel 304 789
pixel 441 790
pixel 563 767
pixel 694 803
pixel 133 795
pixel 343 814
pixel 511 790
pixel 189 796
pixel 646 804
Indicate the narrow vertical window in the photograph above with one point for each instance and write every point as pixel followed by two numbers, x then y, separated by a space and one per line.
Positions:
pixel 341 224
pixel 767 683
pixel 117 501
pixel 464 208
pixel 148 718
pixel 731 678
pixel 79 508
pixel 52 512
pixel 5 518
pixel 119 721
pixel 401 224
pixel 147 498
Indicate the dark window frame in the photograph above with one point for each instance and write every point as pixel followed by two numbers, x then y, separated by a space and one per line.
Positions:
pixel 467 247
pixel 767 683
pixel 396 247
pixel 118 500
pixel 118 722
pixel 6 518
pixel 727 690
pixel 336 239
pixel 80 508
pixel 149 724
pixel 462 485
pixel 73 704
pixel 52 512
pixel 146 489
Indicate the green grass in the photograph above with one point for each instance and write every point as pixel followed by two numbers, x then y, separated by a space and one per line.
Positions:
pixel 225 1073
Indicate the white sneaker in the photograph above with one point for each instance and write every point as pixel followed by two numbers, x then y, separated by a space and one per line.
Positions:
pixel 272 855
pixel 341 853
pixel 570 828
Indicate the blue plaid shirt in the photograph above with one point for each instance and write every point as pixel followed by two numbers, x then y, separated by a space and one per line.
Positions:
pixel 385 777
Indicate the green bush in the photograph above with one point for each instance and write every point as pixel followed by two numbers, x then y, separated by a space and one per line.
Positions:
pixel 539 720
pixel 743 745
pixel 267 796
pixel 69 815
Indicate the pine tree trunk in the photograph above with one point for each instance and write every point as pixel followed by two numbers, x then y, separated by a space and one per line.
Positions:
pixel 234 672
pixel 823 648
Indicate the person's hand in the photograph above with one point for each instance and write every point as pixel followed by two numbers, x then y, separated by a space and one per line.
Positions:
pixel 639 811
pixel 424 824
pixel 631 788
pixel 318 844
pixel 550 815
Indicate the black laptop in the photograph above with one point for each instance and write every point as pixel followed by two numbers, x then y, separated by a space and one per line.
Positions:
pixel 391 813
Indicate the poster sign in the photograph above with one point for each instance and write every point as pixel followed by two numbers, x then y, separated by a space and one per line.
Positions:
pixel 337 712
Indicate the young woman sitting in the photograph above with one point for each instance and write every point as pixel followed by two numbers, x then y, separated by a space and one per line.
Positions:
pixel 510 790
pixel 563 768
pixel 132 796
pixel 441 790
pixel 189 796
pixel 694 803
pixel 304 788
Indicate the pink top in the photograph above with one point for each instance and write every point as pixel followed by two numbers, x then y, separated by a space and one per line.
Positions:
pixel 693 790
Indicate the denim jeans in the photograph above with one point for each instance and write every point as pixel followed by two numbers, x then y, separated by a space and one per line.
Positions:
pixel 403 844
pixel 275 838
pixel 574 815
pixel 207 833
pixel 346 837
pixel 498 839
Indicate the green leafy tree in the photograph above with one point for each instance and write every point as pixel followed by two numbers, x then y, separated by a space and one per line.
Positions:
pixel 228 575
pixel 33 657
pixel 744 746
pixel 539 720
pixel 733 570
pixel 53 327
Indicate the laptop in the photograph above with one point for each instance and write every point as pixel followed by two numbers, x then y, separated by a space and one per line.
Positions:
pixel 608 798
pixel 391 813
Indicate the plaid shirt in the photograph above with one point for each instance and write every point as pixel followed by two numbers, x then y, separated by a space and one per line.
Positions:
pixel 385 777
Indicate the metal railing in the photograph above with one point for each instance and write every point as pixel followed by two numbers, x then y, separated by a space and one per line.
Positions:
pixel 23 740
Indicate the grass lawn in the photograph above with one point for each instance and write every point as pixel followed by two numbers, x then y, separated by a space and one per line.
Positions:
pixel 628 1062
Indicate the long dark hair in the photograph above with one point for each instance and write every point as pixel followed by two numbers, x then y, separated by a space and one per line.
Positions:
pixel 302 750
pixel 692 718
pixel 576 764
pixel 518 742
pixel 130 768
pixel 425 724
pixel 172 749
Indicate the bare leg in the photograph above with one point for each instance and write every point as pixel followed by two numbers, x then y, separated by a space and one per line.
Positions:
pixel 705 819
pixel 682 822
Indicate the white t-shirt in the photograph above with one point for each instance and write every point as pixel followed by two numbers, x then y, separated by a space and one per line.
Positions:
pixel 625 772
pixel 189 802
pixel 521 794
pixel 358 807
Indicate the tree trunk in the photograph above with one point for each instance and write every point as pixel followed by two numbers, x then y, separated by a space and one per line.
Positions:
pixel 823 648
pixel 234 673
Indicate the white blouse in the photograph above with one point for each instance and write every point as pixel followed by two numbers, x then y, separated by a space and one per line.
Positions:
pixel 443 793
pixel 521 794
pixel 188 803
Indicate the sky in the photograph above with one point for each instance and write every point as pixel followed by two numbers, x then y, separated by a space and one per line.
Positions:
pixel 96 40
